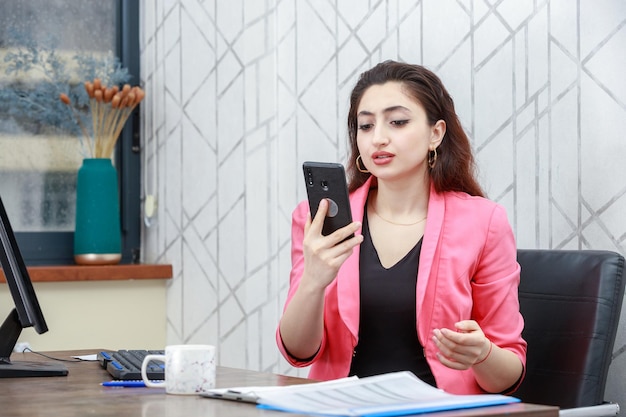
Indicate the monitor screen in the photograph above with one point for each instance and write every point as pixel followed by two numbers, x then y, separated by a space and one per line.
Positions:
pixel 25 312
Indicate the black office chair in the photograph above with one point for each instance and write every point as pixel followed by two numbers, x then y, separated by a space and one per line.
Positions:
pixel 571 302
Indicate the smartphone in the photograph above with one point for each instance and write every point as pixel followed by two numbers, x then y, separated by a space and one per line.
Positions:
pixel 328 180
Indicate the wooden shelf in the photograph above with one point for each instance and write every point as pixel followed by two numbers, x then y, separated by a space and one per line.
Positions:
pixel 97 273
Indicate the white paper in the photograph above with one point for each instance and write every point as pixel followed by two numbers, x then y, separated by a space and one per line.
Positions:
pixel 87 357
pixel 254 393
pixel 390 394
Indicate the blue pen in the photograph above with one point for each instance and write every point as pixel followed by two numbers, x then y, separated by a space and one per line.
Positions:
pixel 127 384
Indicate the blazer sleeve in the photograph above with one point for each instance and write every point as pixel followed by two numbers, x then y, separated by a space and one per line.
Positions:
pixel 495 288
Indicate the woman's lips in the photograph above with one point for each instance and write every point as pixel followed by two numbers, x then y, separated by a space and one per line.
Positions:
pixel 382 158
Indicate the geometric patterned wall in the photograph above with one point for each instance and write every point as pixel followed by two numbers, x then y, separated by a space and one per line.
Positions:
pixel 240 93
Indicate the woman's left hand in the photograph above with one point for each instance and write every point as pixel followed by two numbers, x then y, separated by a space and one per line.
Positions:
pixel 463 347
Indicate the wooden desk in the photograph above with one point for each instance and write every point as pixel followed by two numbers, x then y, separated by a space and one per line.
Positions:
pixel 80 394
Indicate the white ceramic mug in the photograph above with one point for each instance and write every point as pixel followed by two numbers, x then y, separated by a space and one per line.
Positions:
pixel 189 369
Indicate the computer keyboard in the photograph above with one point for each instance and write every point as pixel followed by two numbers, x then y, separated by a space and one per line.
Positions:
pixel 126 364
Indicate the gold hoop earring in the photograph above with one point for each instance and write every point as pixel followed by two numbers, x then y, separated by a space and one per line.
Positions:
pixel 358 166
pixel 432 158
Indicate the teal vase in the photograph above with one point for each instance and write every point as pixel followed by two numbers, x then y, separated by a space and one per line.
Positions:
pixel 98 236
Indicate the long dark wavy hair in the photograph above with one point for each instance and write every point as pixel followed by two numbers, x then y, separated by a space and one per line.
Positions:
pixel 455 167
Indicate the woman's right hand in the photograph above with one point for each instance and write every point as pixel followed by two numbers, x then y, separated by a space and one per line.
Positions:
pixel 302 324
pixel 324 255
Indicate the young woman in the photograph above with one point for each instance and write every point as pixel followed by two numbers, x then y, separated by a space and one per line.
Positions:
pixel 429 282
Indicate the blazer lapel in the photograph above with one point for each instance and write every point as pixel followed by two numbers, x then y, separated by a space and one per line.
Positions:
pixel 348 295
pixel 430 243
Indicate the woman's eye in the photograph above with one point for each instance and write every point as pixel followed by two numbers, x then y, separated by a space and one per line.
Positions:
pixel 365 126
pixel 399 122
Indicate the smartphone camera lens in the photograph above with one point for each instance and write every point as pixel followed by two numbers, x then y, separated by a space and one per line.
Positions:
pixel 309 176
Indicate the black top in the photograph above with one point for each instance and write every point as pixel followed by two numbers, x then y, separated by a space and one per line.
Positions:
pixel 387 331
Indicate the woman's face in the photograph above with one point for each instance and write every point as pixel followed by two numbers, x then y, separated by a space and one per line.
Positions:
pixel 393 133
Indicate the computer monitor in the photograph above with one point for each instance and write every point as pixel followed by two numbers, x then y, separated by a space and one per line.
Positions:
pixel 26 311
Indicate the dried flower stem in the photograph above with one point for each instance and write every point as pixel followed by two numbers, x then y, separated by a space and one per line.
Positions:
pixel 65 99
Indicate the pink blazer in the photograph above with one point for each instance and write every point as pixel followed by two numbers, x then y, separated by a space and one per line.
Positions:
pixel 467 270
